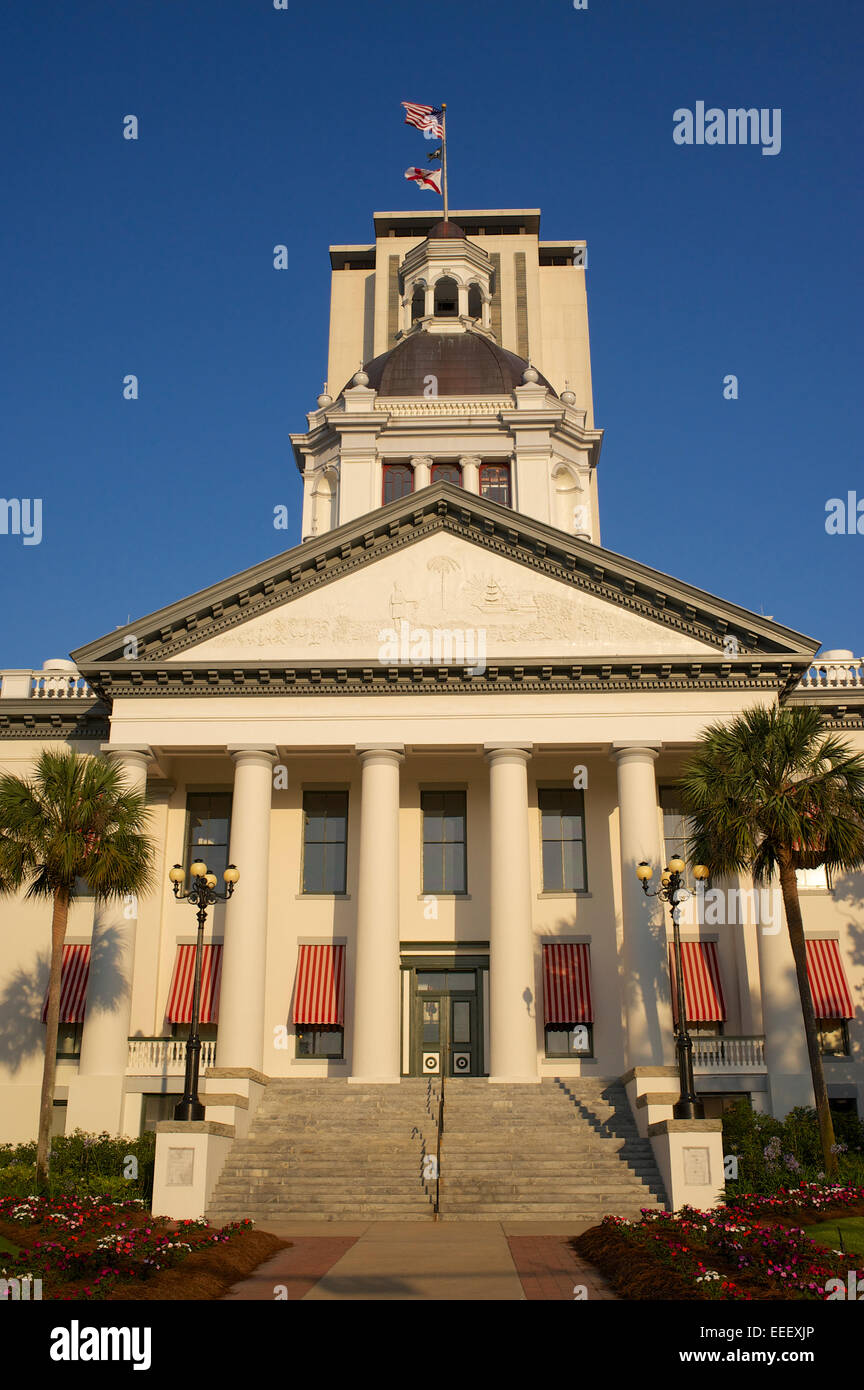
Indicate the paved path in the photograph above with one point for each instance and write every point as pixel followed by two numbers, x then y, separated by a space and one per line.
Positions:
pixel 457 1261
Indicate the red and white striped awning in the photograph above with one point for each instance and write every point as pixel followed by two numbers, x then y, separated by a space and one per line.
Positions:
pixel 182 981
pixel 567 983
pixel 703 989
pixel 73 985
pixel 319 992
pixel 828 984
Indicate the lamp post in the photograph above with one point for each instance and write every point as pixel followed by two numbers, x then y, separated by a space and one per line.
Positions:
pixel 673 891
pixel 202 894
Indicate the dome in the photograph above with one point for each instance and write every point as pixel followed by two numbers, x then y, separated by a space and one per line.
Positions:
pixel 464 364
pixel 446 229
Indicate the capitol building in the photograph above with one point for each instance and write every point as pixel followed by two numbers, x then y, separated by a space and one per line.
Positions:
pixel 436 738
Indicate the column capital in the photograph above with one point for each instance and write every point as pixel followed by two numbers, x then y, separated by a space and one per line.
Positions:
pixel 495 752
pixel 140 755
pixel 389 752
pixel 426 459
pixel 638 752
pixel 472 460
pixel 249 752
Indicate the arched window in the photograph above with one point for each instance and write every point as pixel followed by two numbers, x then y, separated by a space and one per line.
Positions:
pixel 495 482
pixel 446 298
pixel 398 482
pixel 447 473
pixel 418 303
pixel 475 302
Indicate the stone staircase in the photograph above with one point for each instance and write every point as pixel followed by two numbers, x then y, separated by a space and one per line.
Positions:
pixel 564 1149
pixel 327 1151
pixel 330 1151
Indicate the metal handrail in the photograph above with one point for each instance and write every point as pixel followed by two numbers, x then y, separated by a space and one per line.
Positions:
pixel 437 1207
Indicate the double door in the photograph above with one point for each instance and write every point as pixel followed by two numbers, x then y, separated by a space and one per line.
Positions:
pixel 446 1023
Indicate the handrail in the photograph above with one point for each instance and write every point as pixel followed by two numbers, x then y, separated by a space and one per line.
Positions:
pixel 437 1206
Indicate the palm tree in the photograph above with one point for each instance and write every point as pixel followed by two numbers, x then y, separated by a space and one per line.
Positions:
pixel 771 792
pixel 73 820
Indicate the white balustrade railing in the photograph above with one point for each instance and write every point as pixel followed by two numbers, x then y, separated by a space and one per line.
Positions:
pixel 846 673
pixel 44 685
pixel 165 1056
pixel 726 1055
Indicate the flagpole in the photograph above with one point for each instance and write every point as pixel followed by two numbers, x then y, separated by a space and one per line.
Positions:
pixel 444 154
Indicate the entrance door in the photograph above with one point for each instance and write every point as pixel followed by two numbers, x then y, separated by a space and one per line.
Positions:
pixel 446 1025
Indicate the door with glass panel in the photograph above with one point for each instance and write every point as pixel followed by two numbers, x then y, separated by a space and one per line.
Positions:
pixel 446 1024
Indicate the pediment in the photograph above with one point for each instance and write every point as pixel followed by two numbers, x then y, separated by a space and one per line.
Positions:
pixel 439 561
pixel 474 600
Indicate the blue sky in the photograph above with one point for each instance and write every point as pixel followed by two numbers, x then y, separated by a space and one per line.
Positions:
pixel 261 126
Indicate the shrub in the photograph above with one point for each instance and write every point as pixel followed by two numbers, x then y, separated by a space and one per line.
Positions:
pixel 776 1154
pixel 83 1165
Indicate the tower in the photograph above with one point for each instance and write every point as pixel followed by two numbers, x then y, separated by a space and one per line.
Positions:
pixel 471 338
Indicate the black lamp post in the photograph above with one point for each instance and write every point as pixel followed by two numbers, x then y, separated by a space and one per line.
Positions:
pixel 673 892
pixel 202 894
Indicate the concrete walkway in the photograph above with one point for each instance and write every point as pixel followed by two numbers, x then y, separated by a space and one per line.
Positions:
pixel 456 1261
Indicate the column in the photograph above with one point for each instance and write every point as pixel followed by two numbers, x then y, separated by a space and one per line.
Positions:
pixel 513 1004
pixel 422 471
pixel 244 956
pixel 647 993
pixel 462 300
pixel 429 302
pixel 307 529
pixel 95 1097
pixel 785 1045
pixel 375 1053
pixel 470 465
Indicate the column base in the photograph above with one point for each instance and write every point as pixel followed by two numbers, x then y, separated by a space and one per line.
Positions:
pixel 374 1080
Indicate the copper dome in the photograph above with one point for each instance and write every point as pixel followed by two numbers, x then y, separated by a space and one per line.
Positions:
pixel 464 364
pixel 446 229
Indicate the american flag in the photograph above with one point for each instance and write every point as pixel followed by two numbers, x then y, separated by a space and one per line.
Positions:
pixel 425 178
pixel 424 117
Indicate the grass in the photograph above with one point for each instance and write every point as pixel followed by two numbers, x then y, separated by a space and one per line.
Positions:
pixel 845 1234
pixel 7 1248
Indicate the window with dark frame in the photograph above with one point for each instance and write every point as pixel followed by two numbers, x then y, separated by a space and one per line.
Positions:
pixel 495 482
pixel 398 481
pixel 575 1040
pixel 445 862
pixel 69 1037
pixel 208 830
pixel 447 473
pixel 562 830
pixel 315 1041
pixel 325 841
pixel 833 1037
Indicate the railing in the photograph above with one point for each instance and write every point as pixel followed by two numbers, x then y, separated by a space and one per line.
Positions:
pixel 44 685
pixel 833 674
pixel 719 1056
pixel 165 1056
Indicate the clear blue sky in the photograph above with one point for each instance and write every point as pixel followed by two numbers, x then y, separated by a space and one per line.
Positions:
pixel 260 126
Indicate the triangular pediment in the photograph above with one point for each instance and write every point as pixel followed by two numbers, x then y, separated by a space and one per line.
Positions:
pixel 442 560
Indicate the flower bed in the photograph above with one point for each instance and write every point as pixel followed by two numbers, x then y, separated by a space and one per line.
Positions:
pixel 808 1203
pixel 720 1254
pixel 95 1248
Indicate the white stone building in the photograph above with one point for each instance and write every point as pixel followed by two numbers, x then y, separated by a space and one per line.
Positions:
pixel 436 738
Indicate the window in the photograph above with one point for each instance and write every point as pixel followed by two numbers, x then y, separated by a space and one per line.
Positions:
pixel 577 1041
pixel 495 482
pixel 418 303
pixel 325 842
pixel 445 867
pixel 398 482
pixel 447 473
pixel 69 1040
pixel 208 834
pixel 674 825
pixel 475 302
pixel 833 1037
pixel 562 829
pixel 815 878
pixel 319 1042
pixel 156 1106
pixel 446 298
pixel 58 1118
pixel 206 1031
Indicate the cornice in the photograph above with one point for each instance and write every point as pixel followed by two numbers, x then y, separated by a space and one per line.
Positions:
pixel 45 719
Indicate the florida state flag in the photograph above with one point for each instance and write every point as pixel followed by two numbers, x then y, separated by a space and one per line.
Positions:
pixel 425 178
